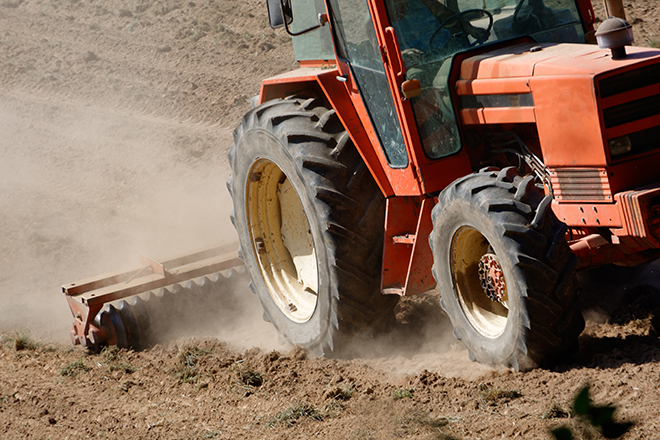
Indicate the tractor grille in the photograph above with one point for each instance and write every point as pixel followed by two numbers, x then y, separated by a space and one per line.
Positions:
pixel 645 137
pixel 632 111
pixel 581 184
pixel 627 81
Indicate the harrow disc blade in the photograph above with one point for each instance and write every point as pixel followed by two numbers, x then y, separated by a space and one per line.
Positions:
pixel 144 320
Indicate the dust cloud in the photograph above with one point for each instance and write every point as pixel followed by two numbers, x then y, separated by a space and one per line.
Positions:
pixel 85 190
pixel 421 340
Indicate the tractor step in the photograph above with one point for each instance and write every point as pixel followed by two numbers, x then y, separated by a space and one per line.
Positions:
pixel 98 322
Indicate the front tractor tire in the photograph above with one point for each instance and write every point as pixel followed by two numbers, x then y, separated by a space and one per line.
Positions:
pixel 309 218
pixel 505 272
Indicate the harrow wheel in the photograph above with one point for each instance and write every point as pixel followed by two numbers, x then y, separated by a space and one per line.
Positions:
pixel 309 217
pixel 505 272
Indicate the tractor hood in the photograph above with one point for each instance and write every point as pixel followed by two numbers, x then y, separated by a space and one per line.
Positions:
pixel 543 59
pixel 578 97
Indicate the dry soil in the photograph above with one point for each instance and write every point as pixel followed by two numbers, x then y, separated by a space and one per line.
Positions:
pixel 115 120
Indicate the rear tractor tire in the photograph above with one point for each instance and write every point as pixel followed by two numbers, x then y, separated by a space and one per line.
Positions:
pixel 505 272
pixel 309 218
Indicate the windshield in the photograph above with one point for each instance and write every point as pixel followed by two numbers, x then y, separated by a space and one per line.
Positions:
pixel 430 32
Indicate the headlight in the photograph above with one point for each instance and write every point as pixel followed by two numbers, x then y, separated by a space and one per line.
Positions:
pixel 619 146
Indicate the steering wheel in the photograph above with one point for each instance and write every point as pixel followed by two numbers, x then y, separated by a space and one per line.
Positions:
pixel 537 10
pixel 458 17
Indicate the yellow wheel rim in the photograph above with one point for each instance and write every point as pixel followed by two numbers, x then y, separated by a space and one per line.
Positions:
pixel 487 316
pixel 282 241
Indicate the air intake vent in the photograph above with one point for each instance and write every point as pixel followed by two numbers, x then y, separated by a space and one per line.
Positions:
pixel 632 111
pixel 580 184
pixel 634 79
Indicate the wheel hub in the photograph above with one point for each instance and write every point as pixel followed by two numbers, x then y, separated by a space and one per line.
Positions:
pixel 491 278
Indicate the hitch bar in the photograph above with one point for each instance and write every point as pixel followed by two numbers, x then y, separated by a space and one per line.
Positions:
pixel 86 298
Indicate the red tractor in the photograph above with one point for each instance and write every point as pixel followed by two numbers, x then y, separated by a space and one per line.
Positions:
pixel 477 145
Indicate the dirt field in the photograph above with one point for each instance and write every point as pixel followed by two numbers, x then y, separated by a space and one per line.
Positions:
pixel 115 120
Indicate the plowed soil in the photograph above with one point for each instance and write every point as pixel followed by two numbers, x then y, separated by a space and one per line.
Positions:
pixel 115 121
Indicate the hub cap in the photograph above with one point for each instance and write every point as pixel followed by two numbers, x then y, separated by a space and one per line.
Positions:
pixel 492 278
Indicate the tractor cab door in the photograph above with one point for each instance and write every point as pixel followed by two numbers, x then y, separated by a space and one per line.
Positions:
pixel 361 63
pixel 412 134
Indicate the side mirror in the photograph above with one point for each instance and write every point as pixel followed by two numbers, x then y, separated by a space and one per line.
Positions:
pixel 279 13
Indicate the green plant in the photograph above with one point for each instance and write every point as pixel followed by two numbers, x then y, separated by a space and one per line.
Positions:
pixel 290 416
pixel 487 393
pixel 23 341
pixel 4 398
pixel 246 378
pixel 122 366
pixel 73 368
pixel 110 353
pixel 197 34
pixel 342 391
pixel 592 416
pixel 403 393
pixel 187 369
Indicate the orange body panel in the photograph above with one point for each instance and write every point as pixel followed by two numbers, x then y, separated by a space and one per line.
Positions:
pixel 289 83
pixel 588 214
pixel 504 86
pixel 407 257
pixel 501 115
pixel 567 121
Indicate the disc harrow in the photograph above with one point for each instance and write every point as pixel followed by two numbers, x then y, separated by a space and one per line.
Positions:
pixel 141 321
pixel 138 308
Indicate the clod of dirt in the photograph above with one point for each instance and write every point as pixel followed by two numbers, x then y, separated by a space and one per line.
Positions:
pixel 90 56
pixel 298 353
pixel 250 378
pixel 556 411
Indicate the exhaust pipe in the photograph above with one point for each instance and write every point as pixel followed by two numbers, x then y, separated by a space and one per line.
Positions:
pixel 615 33
pixel 614 8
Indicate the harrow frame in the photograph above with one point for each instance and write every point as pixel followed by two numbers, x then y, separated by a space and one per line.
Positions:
pixel 86 298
